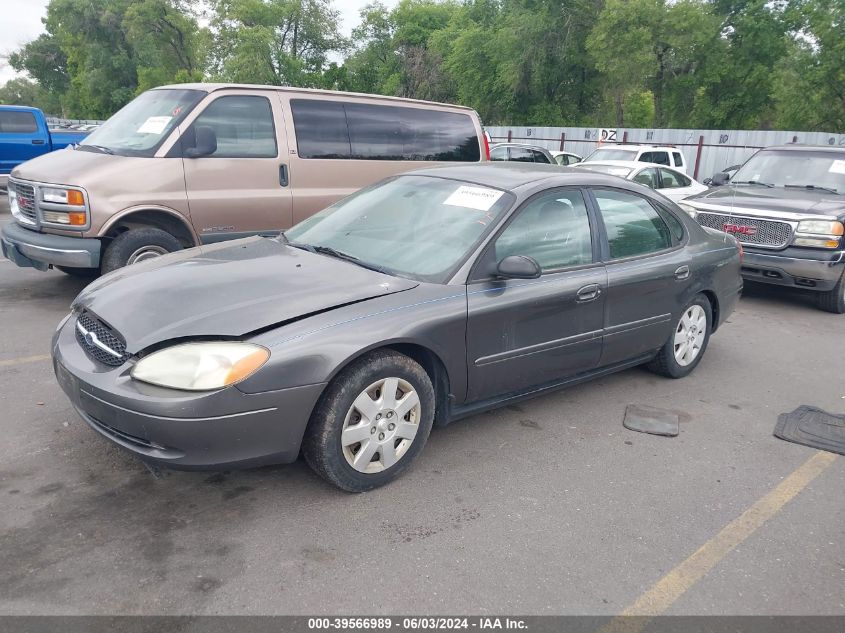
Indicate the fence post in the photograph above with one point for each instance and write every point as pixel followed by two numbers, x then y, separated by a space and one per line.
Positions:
pixel 624 137
pixel 562 140
pixel 509 136
pixel 698 155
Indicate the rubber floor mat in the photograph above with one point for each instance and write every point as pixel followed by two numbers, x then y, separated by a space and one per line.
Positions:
pixel 651 420
pixel 813 427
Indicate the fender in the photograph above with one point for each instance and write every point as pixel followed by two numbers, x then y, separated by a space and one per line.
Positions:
pixel 185 221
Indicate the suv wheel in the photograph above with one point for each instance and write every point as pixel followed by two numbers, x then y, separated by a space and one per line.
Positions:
pixel 688 341
pixel 834 300
pixel 371 423
pixel 137 245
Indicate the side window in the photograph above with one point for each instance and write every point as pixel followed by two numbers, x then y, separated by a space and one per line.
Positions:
pixel 521 155
pixel 674 223
pixel 17 122
pixel 554 229
pixel 679 160
pixel 646 157
pixel 647 177
pixel 320 128
pixel 561 159
pixel 243 126
pixel 633 226
pixel 499 153
pixel 673 180
pixel 540 157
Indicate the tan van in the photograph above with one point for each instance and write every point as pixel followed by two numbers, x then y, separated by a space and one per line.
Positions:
pixel 194 164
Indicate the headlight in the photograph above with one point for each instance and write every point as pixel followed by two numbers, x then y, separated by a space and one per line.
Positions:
pixel 820 227
pixel 63 196
pixel 201 366
pixel 690 210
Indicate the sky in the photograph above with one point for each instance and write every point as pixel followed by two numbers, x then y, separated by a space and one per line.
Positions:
pixel 21 22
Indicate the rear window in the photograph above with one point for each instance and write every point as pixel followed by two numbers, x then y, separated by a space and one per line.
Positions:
pixel 359 131
pixel 679 160
pixel 13 122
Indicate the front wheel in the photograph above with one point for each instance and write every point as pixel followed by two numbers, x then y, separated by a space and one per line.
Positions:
pixel 371 423
pixel 834 300
pixel 688 341
pixel 138 245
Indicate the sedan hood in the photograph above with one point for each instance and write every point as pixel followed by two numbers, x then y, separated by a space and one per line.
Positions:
pixel 737 198
pixel 227 290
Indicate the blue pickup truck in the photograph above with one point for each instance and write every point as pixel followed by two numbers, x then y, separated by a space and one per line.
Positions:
pixel 24 134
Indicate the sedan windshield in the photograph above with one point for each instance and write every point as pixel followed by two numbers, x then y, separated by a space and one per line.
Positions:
pixel 412 226
pixel 141 126
pixel 791 168
pixel 612 153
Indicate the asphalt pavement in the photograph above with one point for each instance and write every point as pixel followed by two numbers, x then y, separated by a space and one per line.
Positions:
pixel 548 507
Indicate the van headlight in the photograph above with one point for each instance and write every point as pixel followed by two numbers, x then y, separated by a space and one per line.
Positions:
pixel 64 205
pixel 201 366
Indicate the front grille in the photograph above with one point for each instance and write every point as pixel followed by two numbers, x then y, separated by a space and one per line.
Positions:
pixel 26 200
pixel 99 341
pixel 770 233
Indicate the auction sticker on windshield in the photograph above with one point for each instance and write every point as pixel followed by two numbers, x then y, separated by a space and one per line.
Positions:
pixel 837 167
pixel 480 198
pixel 154 125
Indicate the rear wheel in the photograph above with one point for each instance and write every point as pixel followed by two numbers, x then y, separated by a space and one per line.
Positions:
pixel 834 300
pixel 138 245
pixel 688 341
pixel 371 423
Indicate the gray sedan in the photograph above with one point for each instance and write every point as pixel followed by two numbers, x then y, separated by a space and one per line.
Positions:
pixel 418 301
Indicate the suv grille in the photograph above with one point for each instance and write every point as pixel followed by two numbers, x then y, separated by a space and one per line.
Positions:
pixel 770 233
pixel 99 341
pixel 26 200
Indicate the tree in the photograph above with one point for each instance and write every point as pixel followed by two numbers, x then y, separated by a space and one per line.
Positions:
pixel 22 91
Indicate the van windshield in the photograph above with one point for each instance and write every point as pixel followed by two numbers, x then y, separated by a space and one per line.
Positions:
pixel 142 125
pixel 411 226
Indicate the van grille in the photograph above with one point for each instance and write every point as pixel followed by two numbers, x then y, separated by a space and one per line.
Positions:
pixel 26 200
pixel 768 233
pixel 99 341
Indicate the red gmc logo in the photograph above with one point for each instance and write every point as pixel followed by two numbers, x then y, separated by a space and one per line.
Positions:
pixel 738 228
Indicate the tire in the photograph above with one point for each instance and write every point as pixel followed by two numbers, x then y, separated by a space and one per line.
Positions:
pixel 674 360
pixel 79 272
pixel 137 245
pixel 834 300
pixel 333 454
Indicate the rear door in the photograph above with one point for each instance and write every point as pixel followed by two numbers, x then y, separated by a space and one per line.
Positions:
pixel 648 274
pixel 22 137
pixel 242 187
pixel 524 332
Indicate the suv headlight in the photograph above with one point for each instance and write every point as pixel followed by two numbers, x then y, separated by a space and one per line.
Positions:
pixel 201 366
pixel 54 198
pixel 819 233
pixel 690 210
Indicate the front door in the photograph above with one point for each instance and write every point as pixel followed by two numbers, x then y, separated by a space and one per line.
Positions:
pixel 240 188
pixel 524 332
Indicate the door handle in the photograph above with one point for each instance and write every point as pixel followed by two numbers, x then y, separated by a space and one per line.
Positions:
pixel 38 141
pixel 682 273
pixel 588 293
pixel 283 175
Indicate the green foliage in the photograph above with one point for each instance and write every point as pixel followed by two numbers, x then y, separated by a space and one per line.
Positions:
pixel 653 63
pixel 21 91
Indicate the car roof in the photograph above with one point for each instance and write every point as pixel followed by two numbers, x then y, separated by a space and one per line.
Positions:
pixel 511 176
pixel 638 147
pixel 19 108
pixel 800 147
pixel 558 152
pixel 633 164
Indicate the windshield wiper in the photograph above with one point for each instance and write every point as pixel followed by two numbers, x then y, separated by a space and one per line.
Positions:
pixel 100 148
pixel 811 187
pixel 332 252
pixel 752 182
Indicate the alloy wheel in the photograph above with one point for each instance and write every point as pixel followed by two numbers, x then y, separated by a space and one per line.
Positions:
pixel 689 335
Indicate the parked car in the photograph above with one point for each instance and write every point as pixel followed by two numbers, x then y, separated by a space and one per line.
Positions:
pixel 521 153
pixel 666 180
pixel 24 135
pixel 426 298
pixel 566 158
pixel 667 155
pixel 720 178
pixel 786 205
pixel 195 164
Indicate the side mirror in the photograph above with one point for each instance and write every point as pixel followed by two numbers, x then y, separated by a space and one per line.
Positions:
pixel 205 142
pixel 519 267
pixel 720 179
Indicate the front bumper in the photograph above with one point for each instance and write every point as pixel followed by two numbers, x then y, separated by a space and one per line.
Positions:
pixel 183 430
pixel 30 249
pixel 791 269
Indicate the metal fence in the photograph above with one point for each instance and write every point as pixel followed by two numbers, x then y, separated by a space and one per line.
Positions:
pixel 706 151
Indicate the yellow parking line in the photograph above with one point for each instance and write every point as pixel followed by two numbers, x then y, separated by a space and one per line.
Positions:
pixel 23 360
pixel 673 585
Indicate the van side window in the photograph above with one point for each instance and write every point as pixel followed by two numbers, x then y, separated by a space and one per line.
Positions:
pixel 679 160
pixel 661 158
pixel 382 132
pixel 243 125
pixel 17 122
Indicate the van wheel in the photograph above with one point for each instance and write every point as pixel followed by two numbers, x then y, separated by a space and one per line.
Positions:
pixel 137 245
pixel 79 272
pixel 371 423
pixel 834 300
pixel 688 341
